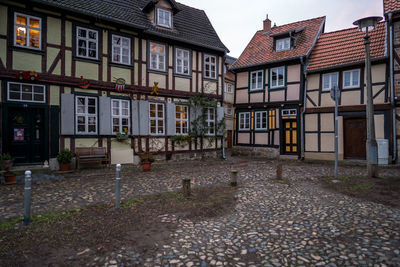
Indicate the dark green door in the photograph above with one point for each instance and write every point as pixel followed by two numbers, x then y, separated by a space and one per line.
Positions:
pixel 26 134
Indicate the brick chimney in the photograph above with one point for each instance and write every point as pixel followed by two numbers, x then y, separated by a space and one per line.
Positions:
pixel 267 25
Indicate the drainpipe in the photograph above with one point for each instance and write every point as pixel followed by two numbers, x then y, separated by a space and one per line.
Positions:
pixel 223 105
pixel 392 89
pixel 304 110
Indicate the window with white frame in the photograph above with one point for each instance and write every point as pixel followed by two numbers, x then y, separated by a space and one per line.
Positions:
pixel 157 57
pixel 244 121
pixel 282 44
pixel 27 31
pixel 256 80
pixel 229 110
pixel 261 120
pixel 329 80
pixel 121 50
pixel 210 66
pixel 181 119
pixel 164 18
pixel 26 92
pixel 120 116
pixel 182 61
pixel 277 77
pixel 87 43
pixel 228 88
pixel 156 118
pixel 86 115
pixel 210 121
pixel 351 79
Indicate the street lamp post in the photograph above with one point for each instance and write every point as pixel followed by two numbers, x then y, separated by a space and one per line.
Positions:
pixel 366 24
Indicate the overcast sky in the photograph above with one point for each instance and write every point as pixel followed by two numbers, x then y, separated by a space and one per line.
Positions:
pixel 236 21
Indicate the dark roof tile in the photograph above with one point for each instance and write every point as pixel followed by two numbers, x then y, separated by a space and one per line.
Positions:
pixel 191 25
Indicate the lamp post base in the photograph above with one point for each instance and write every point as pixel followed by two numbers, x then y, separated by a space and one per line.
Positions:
pixel 372 158
pixel 372 170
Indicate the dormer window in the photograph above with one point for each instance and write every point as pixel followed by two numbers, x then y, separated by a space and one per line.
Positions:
pixel 283 44
pixel 164 18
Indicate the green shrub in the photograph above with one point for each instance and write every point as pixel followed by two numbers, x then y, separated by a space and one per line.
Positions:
pixel 65 156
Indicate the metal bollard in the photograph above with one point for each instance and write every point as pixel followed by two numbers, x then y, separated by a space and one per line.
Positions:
pixel 117 189
pixel 234 175
pixel 27 197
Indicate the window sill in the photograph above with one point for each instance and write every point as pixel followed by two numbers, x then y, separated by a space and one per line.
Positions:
pixel 83 59
pixel 210 79
pixel 256 90
pixel 28 50
pixel 185 76
pixel 351 87
pixel 277 88
pixel 162 72
pixel 262 131
pixel 82 135
pixel 120 65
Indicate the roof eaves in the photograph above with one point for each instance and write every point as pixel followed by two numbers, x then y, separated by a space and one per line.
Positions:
pixel 85 12
pixel 345 65
pixel 159 34
pixel 266 63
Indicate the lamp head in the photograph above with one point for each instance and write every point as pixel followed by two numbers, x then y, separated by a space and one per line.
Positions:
pixel 368 23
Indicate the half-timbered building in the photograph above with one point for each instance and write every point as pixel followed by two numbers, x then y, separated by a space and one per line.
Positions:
pixel 338 60
pixel 392 16
pixel 270 85
pixel 80 73
pixel 229 100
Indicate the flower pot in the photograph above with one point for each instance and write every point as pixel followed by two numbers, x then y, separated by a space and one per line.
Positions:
pixel 146 166
pixel 6 164
pixel 10 178
pixel 65 166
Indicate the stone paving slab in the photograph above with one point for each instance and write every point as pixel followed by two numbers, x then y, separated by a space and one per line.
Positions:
pixel 273 224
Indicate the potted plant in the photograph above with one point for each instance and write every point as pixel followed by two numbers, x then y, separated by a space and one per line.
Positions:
pixel 10 177
pixel 6 162
pixel 64 158
pixel 145 160
pixel 122 136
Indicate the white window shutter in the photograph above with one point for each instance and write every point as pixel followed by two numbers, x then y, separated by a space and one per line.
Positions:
pixel 195 112
pixel 67 114
pixel 105 121
pixel 220 117
pixel 135 117
pixel 171 114
pixel 144 114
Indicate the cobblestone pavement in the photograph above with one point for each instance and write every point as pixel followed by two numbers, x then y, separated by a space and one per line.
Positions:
pixel 273 224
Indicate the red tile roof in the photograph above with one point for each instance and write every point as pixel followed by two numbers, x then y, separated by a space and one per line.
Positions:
pixel 343 47
pixel 230 75
pixel 260 50
pixel 391 6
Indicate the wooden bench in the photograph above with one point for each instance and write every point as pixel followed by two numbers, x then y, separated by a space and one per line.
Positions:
pixel 91 154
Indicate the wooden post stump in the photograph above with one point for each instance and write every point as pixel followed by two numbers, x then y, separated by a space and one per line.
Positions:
pixel 234 175
pixel 186 190
pixel 279 170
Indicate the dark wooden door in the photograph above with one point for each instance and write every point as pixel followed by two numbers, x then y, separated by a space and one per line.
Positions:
pixel 26 134
pixel 289 136
pixel 355 136
pixel 229 138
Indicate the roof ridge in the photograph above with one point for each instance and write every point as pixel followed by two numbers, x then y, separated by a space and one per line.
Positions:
pixel 299 21
pixel 347 29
